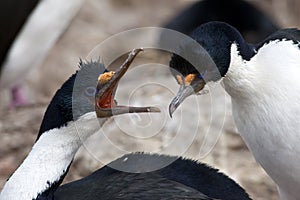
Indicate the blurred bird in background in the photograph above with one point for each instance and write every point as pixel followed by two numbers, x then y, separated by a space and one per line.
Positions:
pixel 253 23
pixel 29 29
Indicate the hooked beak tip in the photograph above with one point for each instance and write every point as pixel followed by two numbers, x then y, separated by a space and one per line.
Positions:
pixel 185 91
pixel 173 106
pixel 172 109
pixel 182 94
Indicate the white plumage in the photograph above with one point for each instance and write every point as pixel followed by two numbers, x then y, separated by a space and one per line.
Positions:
pixel 49 157
pixel 265 93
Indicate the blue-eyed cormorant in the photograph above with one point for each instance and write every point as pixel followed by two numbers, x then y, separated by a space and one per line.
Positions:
pixel 264 86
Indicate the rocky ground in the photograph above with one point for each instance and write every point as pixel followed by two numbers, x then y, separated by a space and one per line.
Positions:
pixel 205 132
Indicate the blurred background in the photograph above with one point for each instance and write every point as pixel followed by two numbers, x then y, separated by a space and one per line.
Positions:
pixel 207 133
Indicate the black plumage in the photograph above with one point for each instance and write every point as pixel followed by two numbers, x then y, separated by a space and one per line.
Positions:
pixel 292 34
pixel 182 179
pixel 73 99
pixel 216 39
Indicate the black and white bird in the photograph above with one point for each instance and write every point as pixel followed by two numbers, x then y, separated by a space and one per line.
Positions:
pixel 29 29
pixel 71 118
pixel 263 83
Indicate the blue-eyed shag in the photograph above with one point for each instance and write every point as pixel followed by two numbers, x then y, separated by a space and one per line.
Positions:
pixel 263 83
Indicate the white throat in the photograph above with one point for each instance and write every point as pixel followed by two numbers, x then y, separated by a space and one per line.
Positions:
pixel 240 79
pixel 49 158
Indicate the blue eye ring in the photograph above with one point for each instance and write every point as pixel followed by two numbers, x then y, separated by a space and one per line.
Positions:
pixel 202 76
pixel 90 91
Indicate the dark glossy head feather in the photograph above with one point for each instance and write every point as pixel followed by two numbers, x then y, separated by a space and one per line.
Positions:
pixel 74 98
pixel 216 38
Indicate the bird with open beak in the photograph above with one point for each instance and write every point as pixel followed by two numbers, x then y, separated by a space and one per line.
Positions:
pixel 106 105
pixel 68 122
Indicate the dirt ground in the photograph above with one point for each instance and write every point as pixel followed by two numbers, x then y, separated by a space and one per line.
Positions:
pixel 214 137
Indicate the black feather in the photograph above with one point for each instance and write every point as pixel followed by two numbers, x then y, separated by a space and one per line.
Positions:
pixel 216 39
pixel 70 101
pixel 292 34
pixel 182 179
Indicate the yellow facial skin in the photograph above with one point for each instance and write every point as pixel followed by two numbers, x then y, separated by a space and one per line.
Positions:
pixel 105 77
pixel 187 80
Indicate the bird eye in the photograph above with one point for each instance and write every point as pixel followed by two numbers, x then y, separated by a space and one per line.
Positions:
pixel 203 74
pixel 90 91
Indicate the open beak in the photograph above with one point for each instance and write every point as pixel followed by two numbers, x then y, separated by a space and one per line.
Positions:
pixel 107 85
pixel 188 86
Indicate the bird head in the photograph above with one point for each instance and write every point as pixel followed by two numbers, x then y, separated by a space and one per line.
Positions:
pixel 105 104
pixel 207 61
pixel 91 89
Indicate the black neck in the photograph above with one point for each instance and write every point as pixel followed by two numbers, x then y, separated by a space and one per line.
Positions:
pixel 59 111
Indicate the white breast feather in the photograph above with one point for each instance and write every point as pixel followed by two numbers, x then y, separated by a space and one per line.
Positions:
pixel 265 94
pixel 49 158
